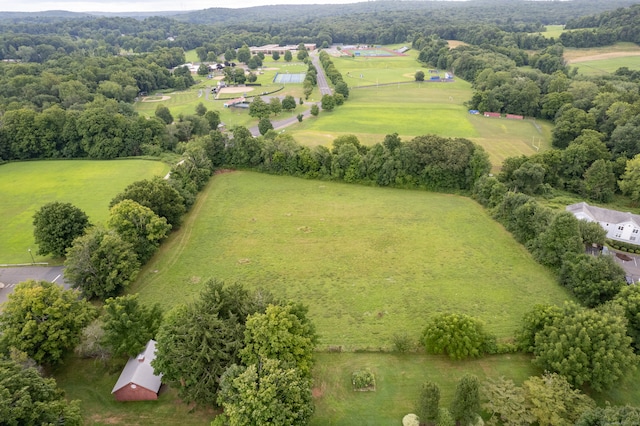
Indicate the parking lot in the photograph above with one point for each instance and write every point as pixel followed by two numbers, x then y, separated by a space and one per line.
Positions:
pixel 9 277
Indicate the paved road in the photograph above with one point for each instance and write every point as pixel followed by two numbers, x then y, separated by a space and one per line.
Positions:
pixel 324 88
pixel 9 277
pixel 323 85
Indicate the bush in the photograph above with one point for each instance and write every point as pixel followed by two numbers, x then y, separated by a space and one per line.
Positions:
pixel 403 343
pixel 457 335
pixel 445 418
pixel 363 380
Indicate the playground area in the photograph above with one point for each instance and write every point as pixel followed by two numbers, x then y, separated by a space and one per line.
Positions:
pixel 289 78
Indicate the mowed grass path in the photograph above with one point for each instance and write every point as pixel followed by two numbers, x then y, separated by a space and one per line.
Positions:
pixel 369 262
pixel 89 185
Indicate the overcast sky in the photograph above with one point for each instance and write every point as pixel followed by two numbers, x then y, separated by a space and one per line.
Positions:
pixel 144 5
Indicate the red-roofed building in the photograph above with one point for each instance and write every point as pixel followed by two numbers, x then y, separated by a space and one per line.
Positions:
pixel 515 117
pixel 492 114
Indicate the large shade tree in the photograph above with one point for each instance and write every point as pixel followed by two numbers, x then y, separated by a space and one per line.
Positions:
pixel 266 393
pixel 27 398
pixel 101 264
pixel 283 333
pixel 56 225
pixel 197 342
pixel 587 346
pixel 139 226
pixel 43 320
pixel 128 324
pixel 156 194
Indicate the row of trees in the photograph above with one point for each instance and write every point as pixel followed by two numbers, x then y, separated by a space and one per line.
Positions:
pixel 428 162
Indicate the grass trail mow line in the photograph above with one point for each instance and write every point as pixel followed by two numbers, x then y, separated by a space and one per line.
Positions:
pixel 176 246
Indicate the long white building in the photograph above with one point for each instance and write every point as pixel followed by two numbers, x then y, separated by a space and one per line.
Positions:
pixel 621 226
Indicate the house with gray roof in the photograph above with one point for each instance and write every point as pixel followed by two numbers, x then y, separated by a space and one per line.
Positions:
pixel 620 226
pixel 137 382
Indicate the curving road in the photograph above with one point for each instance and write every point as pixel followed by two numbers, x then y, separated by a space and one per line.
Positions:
pixel 324 88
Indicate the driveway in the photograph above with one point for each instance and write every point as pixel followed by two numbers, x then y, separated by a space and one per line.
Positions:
pixel 9 277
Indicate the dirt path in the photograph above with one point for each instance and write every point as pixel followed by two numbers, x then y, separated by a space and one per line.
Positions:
pixel 148 99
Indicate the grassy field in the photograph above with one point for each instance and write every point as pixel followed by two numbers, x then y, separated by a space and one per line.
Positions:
pixel 553 31
pixel 89 185
pixel 367 261
pixel 607 65
pixel 400 376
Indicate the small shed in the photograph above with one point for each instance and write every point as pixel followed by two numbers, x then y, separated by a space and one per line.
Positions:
pixel 137 382
pixel 492 114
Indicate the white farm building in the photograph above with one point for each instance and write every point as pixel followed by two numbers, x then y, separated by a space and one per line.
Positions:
pixel 620 226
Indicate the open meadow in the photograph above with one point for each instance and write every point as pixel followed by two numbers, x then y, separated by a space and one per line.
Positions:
pixel 89 185
pixel 370 263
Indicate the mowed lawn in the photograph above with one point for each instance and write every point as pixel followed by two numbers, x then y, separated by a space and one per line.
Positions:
pixel 89 185
pixel 370 263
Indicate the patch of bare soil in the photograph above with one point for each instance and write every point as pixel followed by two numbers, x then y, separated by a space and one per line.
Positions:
pixel 235 90
pixel 455 43
pixel 155 99
pixel 221 171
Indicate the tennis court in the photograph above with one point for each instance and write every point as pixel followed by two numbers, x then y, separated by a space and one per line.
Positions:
pixel 289 78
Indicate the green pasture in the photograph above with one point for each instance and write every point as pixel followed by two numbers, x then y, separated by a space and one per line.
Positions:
pixel 399 378
pixel 367 261
pixel 89 185
pixel 416 109
pixel 607 66
pixel 553 31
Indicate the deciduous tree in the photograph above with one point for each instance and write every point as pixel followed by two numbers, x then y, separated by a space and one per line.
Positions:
pixel 56 225
pixel 592 279
pixel 139 226
pixel 43 320
pixel 156 194
pixel 283 333
pixel 27 398
pixel 552 400
pixel 268 392
pixel 587 346
pixel 101 264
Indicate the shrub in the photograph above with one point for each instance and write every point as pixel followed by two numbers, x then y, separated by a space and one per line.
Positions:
pixel 363 380
pixel 403 343
pixel 457 335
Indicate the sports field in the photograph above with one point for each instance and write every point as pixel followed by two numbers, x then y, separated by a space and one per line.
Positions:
pixel 89 185
pixel 367 268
